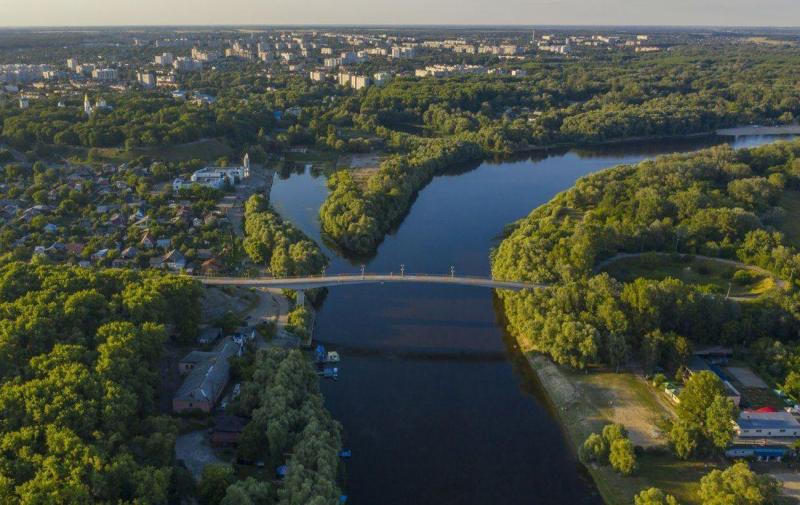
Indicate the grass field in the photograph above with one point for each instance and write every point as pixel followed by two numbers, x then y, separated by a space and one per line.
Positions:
pixel 715 276
pixel 627 399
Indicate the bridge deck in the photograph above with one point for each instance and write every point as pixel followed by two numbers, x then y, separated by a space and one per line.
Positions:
pixel 342 280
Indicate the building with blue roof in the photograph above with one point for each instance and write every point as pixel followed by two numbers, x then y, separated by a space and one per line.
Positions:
pixel 767 425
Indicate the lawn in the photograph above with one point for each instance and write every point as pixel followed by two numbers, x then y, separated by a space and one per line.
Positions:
pixel 715 276
pixel 656 469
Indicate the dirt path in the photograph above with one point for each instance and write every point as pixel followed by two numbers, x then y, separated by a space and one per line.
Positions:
pixel 790 482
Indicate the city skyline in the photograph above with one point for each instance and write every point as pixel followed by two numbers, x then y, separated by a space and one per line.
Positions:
pixel 777 13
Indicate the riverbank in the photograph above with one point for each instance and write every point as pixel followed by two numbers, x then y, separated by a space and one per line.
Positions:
pixel 741 131
pixel 585 402
pixel 527 149
pixel 359 235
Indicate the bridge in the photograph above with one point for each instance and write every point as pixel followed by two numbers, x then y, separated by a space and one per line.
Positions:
pixel 327 281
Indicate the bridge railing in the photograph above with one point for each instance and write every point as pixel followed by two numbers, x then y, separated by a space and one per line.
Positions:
pixel 357 274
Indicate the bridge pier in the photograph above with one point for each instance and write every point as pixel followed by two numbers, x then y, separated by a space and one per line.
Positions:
pixel 300 297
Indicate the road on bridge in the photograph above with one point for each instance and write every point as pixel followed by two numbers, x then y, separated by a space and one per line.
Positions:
pixel 347 279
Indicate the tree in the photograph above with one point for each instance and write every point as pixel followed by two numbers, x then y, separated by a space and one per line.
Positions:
pixel 791 385
pixel 738 485
pixel 576 344
pixel 698 393
pixel 214 483
pixel 618 350
pixel 622 456
pixel 594 449
pixel 248 492
pixel 613 432
pixel 654 496
pixel 719 422
pixel 705 416
pixel 684 439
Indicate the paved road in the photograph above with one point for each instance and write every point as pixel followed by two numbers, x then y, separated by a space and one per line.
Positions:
pixel 343 280
pixel 260 181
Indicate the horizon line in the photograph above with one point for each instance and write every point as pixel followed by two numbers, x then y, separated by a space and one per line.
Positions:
pixel 403 25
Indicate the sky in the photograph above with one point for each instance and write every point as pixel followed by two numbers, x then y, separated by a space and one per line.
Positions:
pixel 784 13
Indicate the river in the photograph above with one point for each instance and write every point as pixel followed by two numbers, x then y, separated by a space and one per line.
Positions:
pixel 436 402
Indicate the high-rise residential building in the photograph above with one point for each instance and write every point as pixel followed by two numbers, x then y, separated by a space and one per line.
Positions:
pixel 359 81
pixel 183 64
pixel 105 74
pixel 146 79
pixel 403 52
pixel 165 59
pixel 205 56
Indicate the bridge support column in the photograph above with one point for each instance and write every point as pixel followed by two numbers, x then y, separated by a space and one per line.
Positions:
pixel 300 297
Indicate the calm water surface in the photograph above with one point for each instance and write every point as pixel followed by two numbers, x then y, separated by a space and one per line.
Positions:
pixel 436 402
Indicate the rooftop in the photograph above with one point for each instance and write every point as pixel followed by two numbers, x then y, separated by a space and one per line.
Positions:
pixel 205 381
pixel 767 421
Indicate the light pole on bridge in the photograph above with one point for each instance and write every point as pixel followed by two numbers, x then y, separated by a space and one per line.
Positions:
pixel 363 267
pixel 402 270
pixel 452 271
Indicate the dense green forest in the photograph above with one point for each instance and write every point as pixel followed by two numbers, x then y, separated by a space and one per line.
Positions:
pixel 277 243
pixel 79 378
pixel 718 202
pixel 463 118
pixel 135 120
pixel 287 416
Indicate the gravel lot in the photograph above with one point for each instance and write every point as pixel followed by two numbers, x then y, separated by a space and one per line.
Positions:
pixel 193 448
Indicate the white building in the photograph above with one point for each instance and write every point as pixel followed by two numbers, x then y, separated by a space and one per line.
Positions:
pixel 105 74
pixel 182 64
pixel 758 424
pixel 359 81
pixel 205 56
pixel 164 59
pixel 146 79
pixel 344 79
pixel 216 177
pixel 381 78
pixel 403 52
